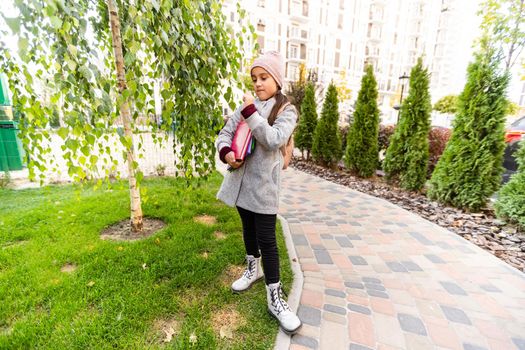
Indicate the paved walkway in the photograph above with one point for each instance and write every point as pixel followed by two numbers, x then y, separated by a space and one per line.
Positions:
pixel 379 277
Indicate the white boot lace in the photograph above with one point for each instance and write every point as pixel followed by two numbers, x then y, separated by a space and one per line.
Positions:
pixel 250 270
pixel 278 303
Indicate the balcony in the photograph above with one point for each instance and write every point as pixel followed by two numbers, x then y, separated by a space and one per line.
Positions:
pixel 374 38
pixel 296 60
pixel 298 36
pixel 373 55
pixel 296 54
pixel 299 13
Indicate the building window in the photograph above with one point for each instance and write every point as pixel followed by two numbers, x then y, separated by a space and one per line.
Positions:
pixel 340 21
pixel 304 34
pixel 338 44
pixel 260 3
pixel 305 8
pixel 294 31
pixel 292 72
pixel 293 52
pixel 232 17
pixel 260 26
pixel 260 41
pixel 336 63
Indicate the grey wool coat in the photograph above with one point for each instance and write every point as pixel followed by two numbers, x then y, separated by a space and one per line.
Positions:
pixel 255 185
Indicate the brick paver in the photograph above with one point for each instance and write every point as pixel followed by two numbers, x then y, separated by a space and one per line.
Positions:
pixel 379 277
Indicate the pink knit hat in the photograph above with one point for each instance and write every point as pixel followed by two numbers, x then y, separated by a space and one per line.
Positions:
pixel 273 63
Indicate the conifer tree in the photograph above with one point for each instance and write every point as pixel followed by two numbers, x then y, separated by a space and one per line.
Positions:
pixel 362 140
pixel 304 135
pixel 511 200
pixel 406 158
pixel 470 169
pixel 326 148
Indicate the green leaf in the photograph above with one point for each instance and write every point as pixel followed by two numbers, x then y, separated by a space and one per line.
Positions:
pixel 23 44
pixel 13 23
pixel 139 176
pixel 66 26
pixel 72 50
pixel 55 22
pixel 134 46
pixel 90 139
pixel 85 150
pixel 63 132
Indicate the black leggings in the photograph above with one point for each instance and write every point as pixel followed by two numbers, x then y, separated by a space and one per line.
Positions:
pixel 259 233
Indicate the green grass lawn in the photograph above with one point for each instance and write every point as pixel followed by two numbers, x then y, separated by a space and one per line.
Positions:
pixel 112 300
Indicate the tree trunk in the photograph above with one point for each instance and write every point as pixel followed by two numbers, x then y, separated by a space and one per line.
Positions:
pixel 125 114
pixel 509 63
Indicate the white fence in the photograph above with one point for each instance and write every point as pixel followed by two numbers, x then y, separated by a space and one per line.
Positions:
pixel 151 155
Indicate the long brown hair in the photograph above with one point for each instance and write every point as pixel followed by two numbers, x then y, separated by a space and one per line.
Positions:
pixel 280 100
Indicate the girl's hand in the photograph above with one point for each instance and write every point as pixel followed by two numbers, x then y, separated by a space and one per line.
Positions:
pixel 247 99
pixel 230 159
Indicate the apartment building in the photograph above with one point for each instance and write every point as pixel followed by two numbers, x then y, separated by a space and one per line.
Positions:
pixel 335 36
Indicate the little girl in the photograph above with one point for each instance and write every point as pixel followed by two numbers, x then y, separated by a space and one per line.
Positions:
pixel 253 185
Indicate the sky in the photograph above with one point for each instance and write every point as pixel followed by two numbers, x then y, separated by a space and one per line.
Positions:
pixel 8 10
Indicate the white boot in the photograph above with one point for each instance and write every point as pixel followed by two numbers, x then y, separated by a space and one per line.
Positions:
pixel 252 274
pixel 278 308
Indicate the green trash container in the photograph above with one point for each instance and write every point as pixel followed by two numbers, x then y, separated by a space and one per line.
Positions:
pixel 11 150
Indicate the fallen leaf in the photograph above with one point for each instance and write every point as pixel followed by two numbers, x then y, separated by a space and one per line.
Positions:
pixel 68 268
pixel 91 283
pixel 157 240
pixel 193 338
pixel 169 334
pixel 120 248
pixel 144 266
pixel 226 332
